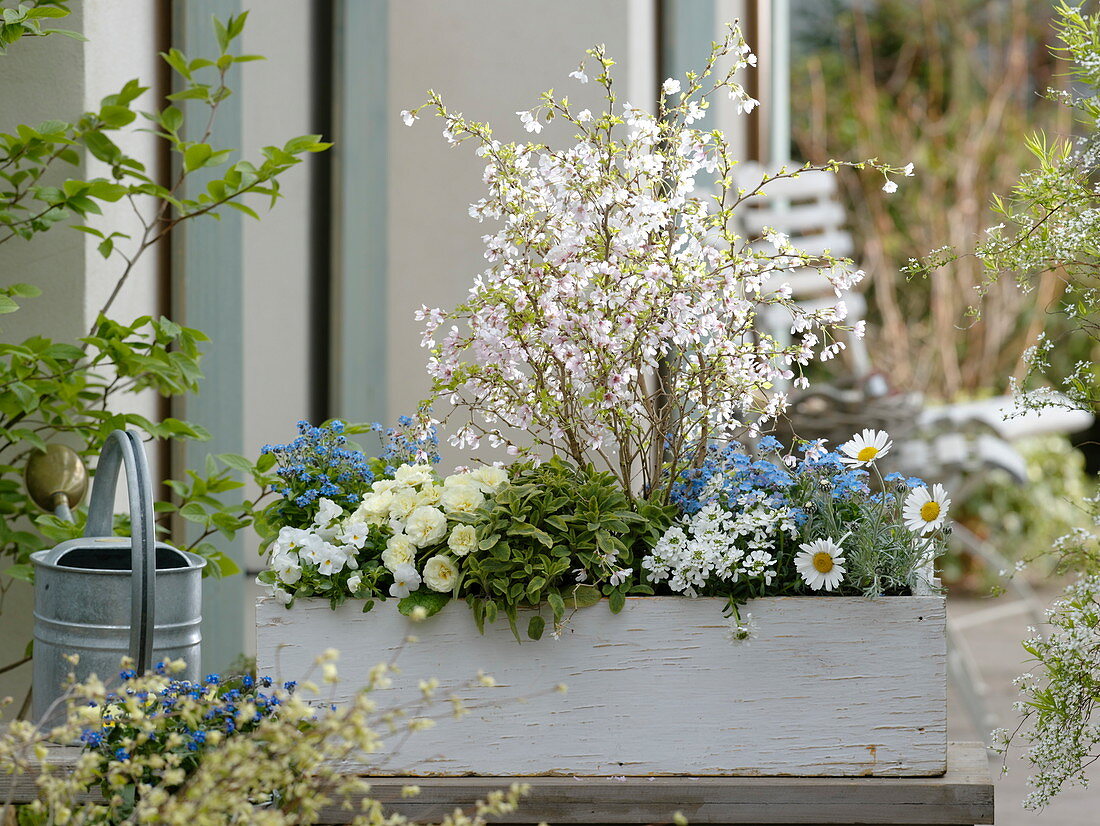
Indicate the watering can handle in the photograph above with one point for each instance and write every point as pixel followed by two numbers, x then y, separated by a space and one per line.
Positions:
pixel 125 447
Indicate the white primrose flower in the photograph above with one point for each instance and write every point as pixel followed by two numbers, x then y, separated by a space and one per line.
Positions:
pixel 383 485
pixel 399 551
pixel 375 507
pixel 461 496
pixel 284 597
pixel 429 495
pixel 821 564
pixel 405 500
pixel 440 573
pixel 413 475
pixel 489 477
pixel 463 540
pixel 925 511
pixel 405 581
pixel 864 449
pixel 426 526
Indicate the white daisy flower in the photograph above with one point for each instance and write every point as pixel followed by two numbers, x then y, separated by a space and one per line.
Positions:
pixel 925 510
pixel 820 564
pixel 862 450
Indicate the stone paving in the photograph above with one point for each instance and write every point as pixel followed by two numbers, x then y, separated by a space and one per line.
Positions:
pixel 996 647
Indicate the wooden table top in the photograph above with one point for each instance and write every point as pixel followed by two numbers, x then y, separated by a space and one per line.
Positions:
pixel 964 795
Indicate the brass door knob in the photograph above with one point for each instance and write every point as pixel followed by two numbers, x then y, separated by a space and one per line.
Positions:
pixel 56 479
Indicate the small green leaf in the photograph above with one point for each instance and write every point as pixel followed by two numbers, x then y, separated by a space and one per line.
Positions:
pixel 24 572
pixel 117 116
pixel 582 596
pixel 616 600
pixel 535 626
pixel 196 155
pixel 235 461
pixel 432 602
pixel 557 605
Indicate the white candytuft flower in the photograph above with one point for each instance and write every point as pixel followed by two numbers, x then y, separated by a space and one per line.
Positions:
pixel 820 564
pixel 864 449
pixel 926 510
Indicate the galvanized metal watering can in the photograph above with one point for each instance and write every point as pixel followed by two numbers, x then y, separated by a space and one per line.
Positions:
pixel 103 597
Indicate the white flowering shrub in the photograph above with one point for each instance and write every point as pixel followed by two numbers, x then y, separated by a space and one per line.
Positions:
pixel 238 751
pixel 615 322
pixel 1060 706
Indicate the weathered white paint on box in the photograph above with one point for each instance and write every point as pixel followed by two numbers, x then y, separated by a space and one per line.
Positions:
pixel 830 686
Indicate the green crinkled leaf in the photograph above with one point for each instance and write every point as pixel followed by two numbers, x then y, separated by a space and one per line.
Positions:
pixel 431 601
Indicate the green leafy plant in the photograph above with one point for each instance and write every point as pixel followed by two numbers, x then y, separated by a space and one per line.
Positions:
pixel 558 535
pixel 71 389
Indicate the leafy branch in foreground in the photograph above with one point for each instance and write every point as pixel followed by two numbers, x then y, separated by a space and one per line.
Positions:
pixel 74 390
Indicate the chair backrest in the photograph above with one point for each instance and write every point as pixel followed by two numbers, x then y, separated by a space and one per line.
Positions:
pixel 807 210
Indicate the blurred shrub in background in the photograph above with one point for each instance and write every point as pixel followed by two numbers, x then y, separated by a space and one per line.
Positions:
pixel 939 83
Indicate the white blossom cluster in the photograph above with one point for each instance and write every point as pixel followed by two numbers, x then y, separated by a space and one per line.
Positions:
pixel 415 508
pixel 717 545
pixel 1061 724
pixel 612 263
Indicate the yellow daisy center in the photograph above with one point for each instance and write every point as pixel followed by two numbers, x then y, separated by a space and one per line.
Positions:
pixel 823 562
pixel 929 511
pixel 867 454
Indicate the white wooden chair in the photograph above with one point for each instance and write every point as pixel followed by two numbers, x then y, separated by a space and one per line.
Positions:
pixel 955 444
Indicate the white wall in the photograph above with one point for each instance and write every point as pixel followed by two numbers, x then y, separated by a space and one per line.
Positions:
pixel 56 77
pixel 489 60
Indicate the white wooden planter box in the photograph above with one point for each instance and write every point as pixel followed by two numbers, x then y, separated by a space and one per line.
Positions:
pixel 830 686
